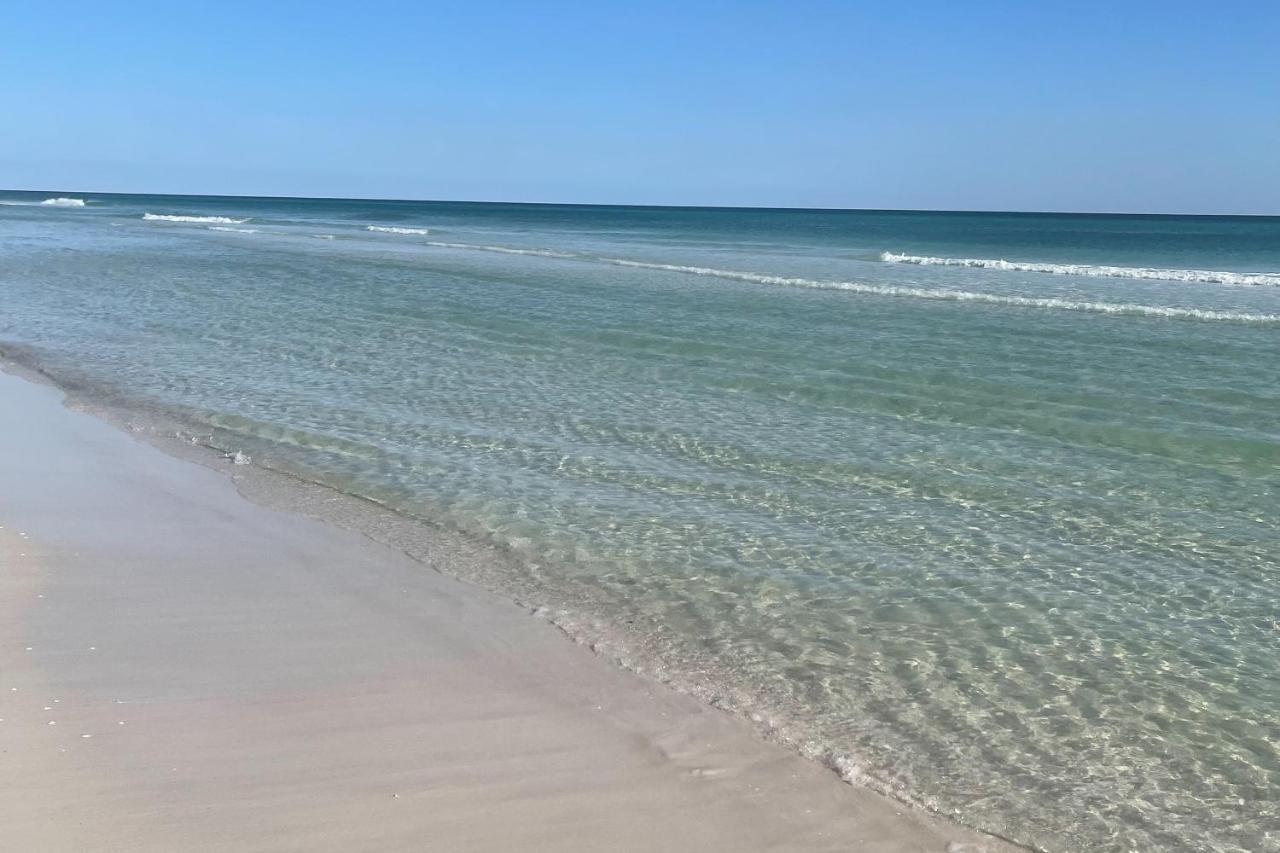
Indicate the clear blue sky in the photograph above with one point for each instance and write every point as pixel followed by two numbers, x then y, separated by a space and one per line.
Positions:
pixel 1118 106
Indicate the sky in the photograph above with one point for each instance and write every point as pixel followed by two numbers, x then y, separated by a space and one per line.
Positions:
pixel 1123 106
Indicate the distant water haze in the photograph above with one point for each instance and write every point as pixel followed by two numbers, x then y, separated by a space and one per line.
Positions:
pixel 977 508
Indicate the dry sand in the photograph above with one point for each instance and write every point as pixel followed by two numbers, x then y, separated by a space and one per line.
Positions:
pixel 184 670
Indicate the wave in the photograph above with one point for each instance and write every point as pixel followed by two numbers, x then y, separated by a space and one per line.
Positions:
pixel 510 250
pixel 1148 273
pixel 167 217
pixel 49 202
pixel 236 230
pixel 1047 302
pixel 965 295
pixel 392 229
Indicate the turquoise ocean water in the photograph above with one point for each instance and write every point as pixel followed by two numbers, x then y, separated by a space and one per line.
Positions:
pixel 978 508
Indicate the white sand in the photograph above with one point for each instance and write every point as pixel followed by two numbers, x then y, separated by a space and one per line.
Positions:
pixel 183 670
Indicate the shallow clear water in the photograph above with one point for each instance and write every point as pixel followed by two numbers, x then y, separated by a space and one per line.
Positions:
pixel 1005 540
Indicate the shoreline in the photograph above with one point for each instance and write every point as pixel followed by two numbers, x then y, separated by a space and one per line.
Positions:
pixel 622 637
pixel 338 682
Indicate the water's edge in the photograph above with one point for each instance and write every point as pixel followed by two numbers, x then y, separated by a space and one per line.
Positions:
pixel 629 641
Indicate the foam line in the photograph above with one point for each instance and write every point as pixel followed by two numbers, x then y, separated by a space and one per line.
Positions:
pixel 1093 271
pixel 939 294
pixel 167 217
pixel 392 229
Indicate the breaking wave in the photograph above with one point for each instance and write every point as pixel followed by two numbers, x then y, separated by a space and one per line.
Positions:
pixel 1093 271
pixel 236 230
pixel 392 229
pixel 510 250
pixel 1044 302
pixel 48 202
pixel 965 295
pixel 168 217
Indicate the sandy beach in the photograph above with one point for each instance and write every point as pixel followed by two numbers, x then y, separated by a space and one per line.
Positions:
pixel 186 670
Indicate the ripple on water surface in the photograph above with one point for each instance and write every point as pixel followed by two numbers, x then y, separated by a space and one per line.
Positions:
pixel 1003 555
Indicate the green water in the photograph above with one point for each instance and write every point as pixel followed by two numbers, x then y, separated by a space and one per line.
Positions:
pixel 1000 538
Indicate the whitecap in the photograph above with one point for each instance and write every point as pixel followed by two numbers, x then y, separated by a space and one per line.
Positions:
pixel 967 295
pixel 168 217
pixel 1090 270
pixel 939 294
pixel 392 229
pixel 63 202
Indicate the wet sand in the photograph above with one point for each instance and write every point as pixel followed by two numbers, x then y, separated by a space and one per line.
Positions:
pixel 183 669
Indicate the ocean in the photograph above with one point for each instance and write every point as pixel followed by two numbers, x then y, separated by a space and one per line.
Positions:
pixel 978 509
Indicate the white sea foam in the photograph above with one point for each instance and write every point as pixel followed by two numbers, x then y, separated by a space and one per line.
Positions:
pixel 966 295
pixel 1046 302
pixel 167 217
pixel 49 202
pixel 236 230
pixel 510 250
pixel 392 229
pixel 1093 271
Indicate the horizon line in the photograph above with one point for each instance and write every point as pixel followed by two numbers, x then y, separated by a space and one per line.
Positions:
pixel 799 209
